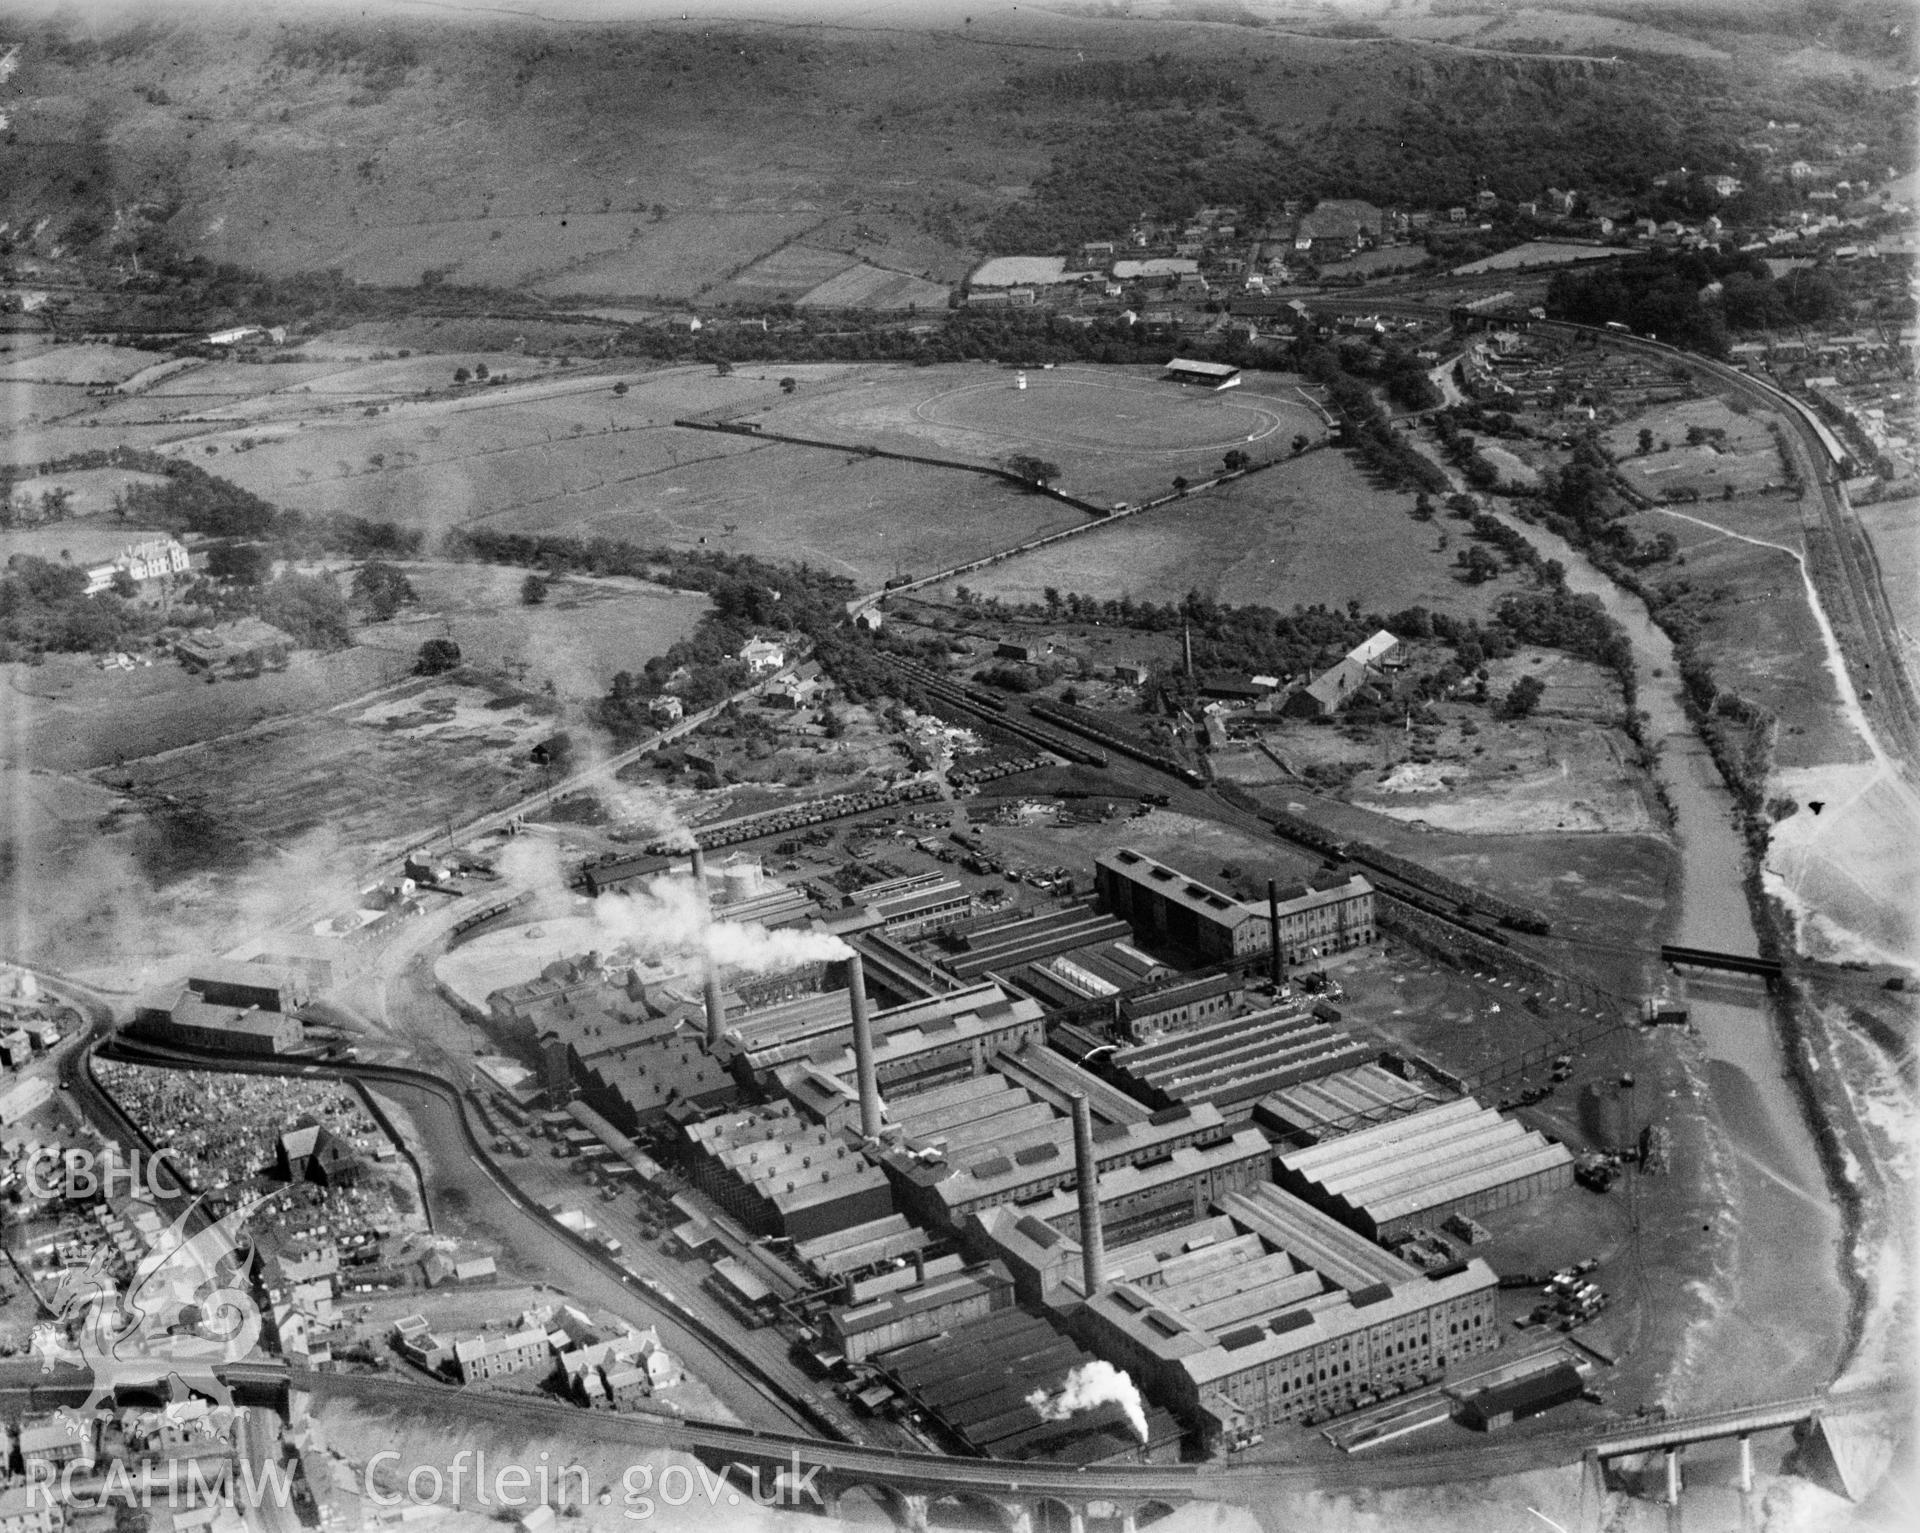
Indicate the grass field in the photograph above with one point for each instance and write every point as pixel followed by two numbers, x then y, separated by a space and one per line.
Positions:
pixel 1747 459
pixel 1313 530
pixel 1891 525
pixel 1117 433
pixel 1536 253
pixel 585 632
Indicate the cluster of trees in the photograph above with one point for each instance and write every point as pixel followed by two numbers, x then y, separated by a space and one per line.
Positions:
pixel 43 608
pixel 1555 618
pixel 1194 137
pixel 1365 428
pixel 1692 298
pixel 193 500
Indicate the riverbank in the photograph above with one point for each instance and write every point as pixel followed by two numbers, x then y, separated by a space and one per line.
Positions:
pixel 1789 1153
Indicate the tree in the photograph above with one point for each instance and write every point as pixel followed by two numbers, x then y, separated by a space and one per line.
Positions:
pixel 480 371
pixel 1646 441
pixel 383 588
pixel 722 368
pixel 1180 484
pixel 243 564
pixel 533 590
pixel 1524 698
pixel 461 375
pixel 1234 460
pixel 788 385
pixel 1301 443
pixel 436 656
pixel 123 585
pixel 1477 564
pixel 620 388
pixel 1033 470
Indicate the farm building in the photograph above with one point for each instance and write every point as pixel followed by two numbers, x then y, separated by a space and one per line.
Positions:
pixel 976 1382
pixel 1231 1062
pixel 1270 1312
pixel 1459 1158
pixel 1214 375
pixel 1334 687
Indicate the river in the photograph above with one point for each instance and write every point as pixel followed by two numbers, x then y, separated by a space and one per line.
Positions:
pixel 1779 1324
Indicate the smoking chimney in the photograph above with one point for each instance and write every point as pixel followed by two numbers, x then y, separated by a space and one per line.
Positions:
pixel 716 1010
pixel 1093 1255
pixel 699 870
pixel 863 1048
pixel 1273 933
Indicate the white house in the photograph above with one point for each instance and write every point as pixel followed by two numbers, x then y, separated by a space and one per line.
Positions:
pixel 763 656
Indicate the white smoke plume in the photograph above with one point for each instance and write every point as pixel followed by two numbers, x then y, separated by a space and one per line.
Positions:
pixel 669 916
pixel 1091 1384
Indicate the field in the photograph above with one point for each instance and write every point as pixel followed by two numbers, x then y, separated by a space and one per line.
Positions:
pixel 375 775
pixel 1764 642
pixel 1312 530
pixel 1747 459
pixel 1116 433
pixel 1535 253
pixel 1565 769
pixel 585 632
pixel 1892 526
pixel 79 543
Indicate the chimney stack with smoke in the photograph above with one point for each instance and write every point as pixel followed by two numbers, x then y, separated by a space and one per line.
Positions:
pixel 716 1009
pixel 1273 933
pixel 699 870
pixel 863 1048
pixel 1093 1256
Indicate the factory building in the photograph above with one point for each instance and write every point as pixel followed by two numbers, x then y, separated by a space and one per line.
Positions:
pixel 916 1045
pixel 182 1019
pixel 1002 946
pixel 1136 1198
pixel 1177 1008
pixel 221 982
pixel 1328 916
pixel 978 1143
pixel 1273 1312
pixel 1458 1158
pixel 779 1176
pixel 1164 906
pixel 1309 1111
pixel 976 1384
pixel 1232 1062
pixel 929 1307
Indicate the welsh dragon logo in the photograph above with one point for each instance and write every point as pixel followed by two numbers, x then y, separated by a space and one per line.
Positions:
pixel 186 1312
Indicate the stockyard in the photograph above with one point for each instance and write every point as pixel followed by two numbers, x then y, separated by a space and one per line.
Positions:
pixel 1309 530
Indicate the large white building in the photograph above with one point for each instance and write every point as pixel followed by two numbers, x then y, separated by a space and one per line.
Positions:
pixel 142 561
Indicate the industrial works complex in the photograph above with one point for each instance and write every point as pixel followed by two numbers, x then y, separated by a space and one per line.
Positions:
pixel 1209 1181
